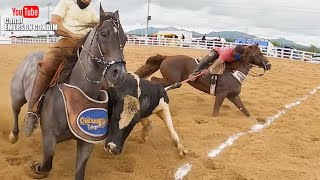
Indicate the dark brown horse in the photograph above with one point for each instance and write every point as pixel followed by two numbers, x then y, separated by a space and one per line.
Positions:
pixel 99 62
pixel 228 85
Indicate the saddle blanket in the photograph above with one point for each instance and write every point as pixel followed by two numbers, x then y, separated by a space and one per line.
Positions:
pixel 87 118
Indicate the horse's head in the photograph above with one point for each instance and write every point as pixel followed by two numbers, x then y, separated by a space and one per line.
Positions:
pixel 104 44
pixel 253 55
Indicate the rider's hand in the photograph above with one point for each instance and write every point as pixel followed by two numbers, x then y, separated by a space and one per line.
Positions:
pixel 206 72
pixel 193 76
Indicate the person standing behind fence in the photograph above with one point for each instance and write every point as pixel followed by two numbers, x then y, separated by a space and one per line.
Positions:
pixel 203 37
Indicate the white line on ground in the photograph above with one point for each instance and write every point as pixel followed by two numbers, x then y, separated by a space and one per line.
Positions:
pixel 186 168
pixel 182 171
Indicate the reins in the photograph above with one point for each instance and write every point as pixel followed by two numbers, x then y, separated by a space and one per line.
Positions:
pixel 178 84
pixel 252 73
pixel 102 60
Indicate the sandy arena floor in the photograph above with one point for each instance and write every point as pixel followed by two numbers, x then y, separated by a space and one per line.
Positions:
pixel 288 149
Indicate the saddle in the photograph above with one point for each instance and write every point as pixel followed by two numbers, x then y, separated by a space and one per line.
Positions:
pixel 217 71
pixel 63 72
pixel 214 77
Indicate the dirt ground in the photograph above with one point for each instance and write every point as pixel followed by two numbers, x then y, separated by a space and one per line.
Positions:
pixel 288 149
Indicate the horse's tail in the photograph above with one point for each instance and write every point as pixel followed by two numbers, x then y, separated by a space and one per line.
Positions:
pixel 151 66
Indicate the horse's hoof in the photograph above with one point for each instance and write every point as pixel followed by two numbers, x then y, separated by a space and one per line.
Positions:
pixel 144 138
pixel 183 153
pixel 12 138
pixel 214 115
pixel 36 173
pixel 261 120
pixel 182 150
pixel 258 120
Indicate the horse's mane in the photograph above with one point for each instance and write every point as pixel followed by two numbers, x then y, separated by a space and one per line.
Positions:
pixel 236 64
pixel 107 15
pixel 82 40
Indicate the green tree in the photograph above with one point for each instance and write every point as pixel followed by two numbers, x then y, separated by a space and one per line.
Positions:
pixel 276 43
pixel 313 48
pixel 230 40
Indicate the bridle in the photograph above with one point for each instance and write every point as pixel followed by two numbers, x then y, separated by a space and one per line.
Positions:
pixel 101 60
pixel 254 74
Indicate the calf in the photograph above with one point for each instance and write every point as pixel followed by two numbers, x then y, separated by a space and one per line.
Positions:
pixel 132 102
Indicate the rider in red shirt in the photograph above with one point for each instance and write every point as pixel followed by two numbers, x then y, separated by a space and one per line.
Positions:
pixel 218 55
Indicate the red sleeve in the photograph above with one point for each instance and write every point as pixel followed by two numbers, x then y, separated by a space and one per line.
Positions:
pixel 224 56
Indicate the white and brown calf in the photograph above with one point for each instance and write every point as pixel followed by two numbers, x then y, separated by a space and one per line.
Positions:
pixel 132 102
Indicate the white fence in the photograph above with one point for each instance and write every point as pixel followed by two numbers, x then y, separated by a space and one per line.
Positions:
pixel 41 40
pixel 269 51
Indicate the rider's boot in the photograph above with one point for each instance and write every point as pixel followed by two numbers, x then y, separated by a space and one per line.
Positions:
pixel 40 85
pixel 206 61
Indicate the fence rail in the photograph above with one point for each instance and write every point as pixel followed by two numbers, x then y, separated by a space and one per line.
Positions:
pixel 43 40
pixel 200 44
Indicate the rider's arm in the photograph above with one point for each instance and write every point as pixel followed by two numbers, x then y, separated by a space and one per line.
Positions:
pixel 95 19
pixel 62 31
pixel 57 18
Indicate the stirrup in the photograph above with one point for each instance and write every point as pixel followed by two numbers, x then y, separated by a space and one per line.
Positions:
pixel 31 113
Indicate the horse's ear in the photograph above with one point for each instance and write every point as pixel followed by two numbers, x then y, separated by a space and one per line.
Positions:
pixel 256 45
pixel 102 13
pixel 116 14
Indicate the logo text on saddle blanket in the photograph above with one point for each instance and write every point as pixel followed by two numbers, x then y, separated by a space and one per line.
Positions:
pixel 239 76
pixel 93 122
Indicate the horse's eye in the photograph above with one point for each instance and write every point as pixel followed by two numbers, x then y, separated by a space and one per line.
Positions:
pixel 103 34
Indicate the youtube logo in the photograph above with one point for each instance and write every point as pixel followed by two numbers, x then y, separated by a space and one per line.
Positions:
pixel 26 12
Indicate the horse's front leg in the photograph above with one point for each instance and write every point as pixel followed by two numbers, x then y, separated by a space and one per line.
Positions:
pixel 84 150
pixel 237 101
pixel 217 104
pixel 41 170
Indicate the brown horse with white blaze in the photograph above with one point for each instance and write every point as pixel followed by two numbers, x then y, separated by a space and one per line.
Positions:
pixel 177 68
